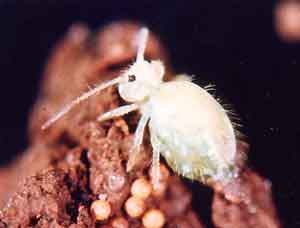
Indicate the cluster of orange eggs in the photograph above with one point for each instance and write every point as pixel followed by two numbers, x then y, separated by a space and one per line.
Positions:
pixel 135 206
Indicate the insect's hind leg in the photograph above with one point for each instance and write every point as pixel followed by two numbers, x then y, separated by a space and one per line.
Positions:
pixel 138 139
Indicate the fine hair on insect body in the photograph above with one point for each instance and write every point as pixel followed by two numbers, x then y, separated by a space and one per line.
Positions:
pixel 195 135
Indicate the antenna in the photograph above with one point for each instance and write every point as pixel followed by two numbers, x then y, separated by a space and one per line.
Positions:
pixel 78 100
pixel 142 41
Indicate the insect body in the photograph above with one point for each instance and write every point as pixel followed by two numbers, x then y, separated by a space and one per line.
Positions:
pixel 192 131
pixel 187 125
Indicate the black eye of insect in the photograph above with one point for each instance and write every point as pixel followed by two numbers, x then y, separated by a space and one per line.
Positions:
pixel 131 78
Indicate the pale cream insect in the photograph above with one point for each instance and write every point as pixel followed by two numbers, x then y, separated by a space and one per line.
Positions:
pixel 187 125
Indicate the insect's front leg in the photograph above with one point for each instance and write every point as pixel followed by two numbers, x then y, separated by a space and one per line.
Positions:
pixel 118 112
pixel 138 139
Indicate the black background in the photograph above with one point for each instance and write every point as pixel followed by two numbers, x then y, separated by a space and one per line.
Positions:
pixel 231 44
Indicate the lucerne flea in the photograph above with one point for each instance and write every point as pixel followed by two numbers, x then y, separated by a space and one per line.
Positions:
pixel 187 125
